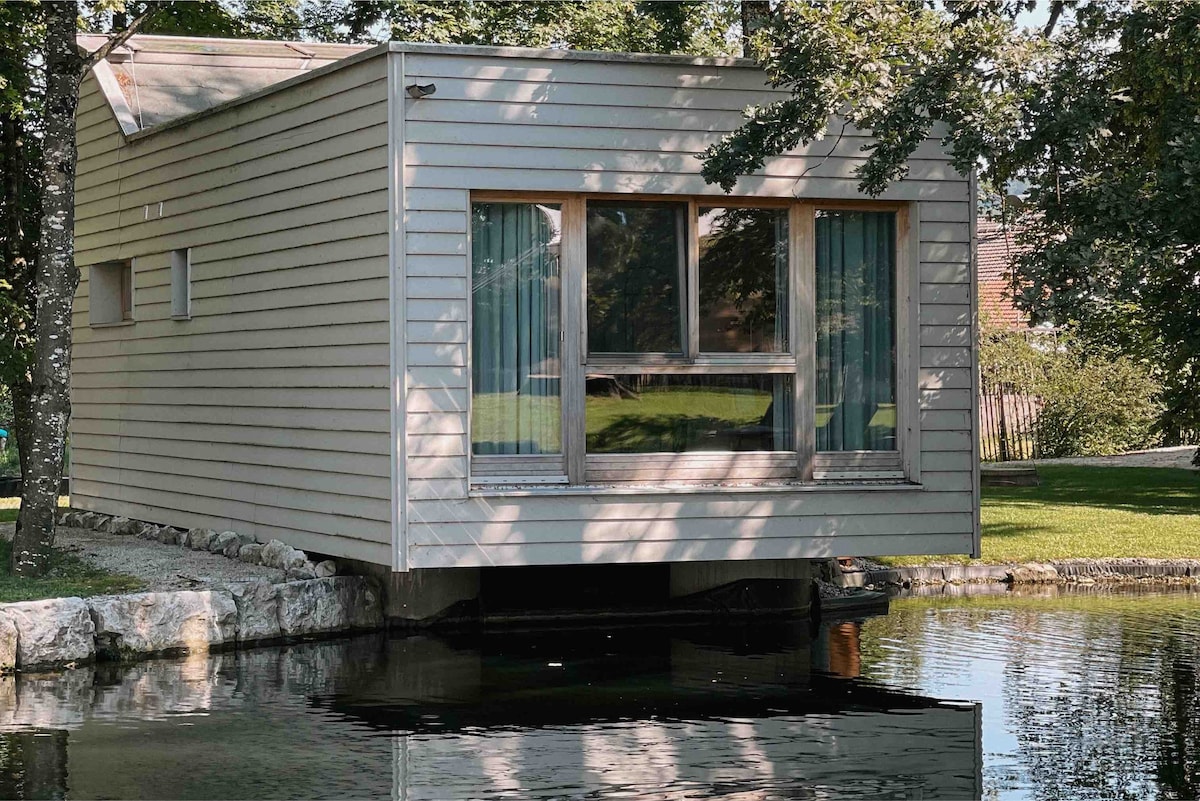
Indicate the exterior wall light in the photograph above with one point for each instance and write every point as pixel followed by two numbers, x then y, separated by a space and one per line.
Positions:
pixel 418 91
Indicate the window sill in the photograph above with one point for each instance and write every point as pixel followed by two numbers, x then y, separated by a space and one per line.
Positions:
pixel 117 324
pixel 181 317
pixel 858 485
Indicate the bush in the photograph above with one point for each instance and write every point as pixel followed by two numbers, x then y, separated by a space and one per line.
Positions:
pixel 1095 406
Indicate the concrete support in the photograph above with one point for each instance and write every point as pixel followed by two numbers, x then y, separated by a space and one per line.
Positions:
pixel 420 595
pixel 789 580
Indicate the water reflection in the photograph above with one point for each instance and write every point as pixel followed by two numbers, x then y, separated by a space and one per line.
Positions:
pixel 634 713
pixel 1089 692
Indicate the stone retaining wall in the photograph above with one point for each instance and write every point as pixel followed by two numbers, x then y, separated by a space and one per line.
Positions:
pixel 63 632
pixel 1071 571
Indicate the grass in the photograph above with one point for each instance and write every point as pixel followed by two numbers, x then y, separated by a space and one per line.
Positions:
pixel 68 575
pixel 1088 512
pixel 9 507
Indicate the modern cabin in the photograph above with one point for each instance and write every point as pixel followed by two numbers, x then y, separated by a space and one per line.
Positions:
pixel 448 307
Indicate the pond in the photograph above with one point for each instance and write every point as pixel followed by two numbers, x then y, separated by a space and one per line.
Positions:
pixel 1090 694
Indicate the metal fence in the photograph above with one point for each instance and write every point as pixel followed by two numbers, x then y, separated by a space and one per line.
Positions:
pixel 1007 423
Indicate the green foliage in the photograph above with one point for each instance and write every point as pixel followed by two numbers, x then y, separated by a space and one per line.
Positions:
pixel 1096 113
pixel 1096 406
pixel 657 27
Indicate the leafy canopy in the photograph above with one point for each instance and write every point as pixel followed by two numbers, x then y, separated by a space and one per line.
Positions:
pixel 1097 112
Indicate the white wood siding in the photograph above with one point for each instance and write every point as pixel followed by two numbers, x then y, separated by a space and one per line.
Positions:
pixel 563 125
pixel 268 411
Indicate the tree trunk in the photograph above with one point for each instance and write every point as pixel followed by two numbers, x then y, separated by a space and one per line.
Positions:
pixel 16 271
pixel 755 14
pixel 56 278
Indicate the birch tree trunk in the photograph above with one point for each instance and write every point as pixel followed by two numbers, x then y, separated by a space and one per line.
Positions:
pixel 55 281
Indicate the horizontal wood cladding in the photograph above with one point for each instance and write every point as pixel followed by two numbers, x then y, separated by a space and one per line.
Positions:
pixel 267 411
pixel 514 124
pixel 687 550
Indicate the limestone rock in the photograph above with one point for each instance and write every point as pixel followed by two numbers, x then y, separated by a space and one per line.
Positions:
pixel 276 553
pixel 169 535
pixel 52 631
pixel 198 539
pixel 87 520
pixel 123 526
pixel 251 553
pixel 326 569
pixel 153 622
pixel 146 531
pixel 1032 573
pixel 8 644
pixel 327 605
pixel 66 519
pixel 222 541
pixel 257 610
pixel 306 570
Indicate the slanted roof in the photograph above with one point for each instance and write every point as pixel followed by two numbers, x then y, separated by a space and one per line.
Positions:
pixel 163 78
pixel 997 250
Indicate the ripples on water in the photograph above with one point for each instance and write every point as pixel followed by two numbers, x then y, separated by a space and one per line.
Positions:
pixel 1081 695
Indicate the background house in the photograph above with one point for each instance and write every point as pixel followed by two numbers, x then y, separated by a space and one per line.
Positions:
pixel 445 309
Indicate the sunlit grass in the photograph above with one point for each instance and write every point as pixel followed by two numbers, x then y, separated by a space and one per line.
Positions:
pixel 68 576
pixel 9 507
pixel 1089 512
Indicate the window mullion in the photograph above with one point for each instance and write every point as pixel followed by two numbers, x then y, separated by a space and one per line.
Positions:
pixel 802 271
pixel 574 273
pixel 691 309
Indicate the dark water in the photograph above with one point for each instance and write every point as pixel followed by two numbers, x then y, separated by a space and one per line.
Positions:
pixel 1075 696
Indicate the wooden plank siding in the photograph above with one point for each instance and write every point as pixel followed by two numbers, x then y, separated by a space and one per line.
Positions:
pixel 267 412
pixel 508 123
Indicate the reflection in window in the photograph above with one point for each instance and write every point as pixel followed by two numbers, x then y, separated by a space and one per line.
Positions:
pixel 635 269
pixel 679 413
pixel 515 368
pixel 743 280
pixel 856 330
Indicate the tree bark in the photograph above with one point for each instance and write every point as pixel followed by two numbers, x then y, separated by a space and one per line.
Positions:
pixel 56 279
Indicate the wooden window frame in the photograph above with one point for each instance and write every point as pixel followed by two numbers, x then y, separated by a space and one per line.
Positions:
pixel 804 464
pixel 181 284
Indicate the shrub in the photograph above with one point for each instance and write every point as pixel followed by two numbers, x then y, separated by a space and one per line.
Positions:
pixel 1095 406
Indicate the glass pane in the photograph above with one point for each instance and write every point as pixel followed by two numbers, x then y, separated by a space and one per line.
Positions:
pixel 515 368
pixel 635 269
pixel 856 330
pixel 743 280
pixel 679 413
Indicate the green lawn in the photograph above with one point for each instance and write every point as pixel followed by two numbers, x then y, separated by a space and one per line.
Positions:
pixel 1092 512
pixel 68 574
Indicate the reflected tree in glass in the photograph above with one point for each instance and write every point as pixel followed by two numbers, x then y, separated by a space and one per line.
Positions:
pixel 743 280
pixel 635 277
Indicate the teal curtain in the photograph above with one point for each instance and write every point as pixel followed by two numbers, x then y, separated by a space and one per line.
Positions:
pixel 515 329
pixel 856 330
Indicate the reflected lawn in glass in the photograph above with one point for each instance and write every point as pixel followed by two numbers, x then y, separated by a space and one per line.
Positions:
pixel 676 414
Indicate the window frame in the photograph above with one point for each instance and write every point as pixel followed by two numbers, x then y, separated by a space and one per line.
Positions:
pixel 801 465
pixel 112 293
pixel 531 468
pixel 181 284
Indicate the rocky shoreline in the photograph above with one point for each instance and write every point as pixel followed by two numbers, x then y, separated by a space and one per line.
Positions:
pixel 1066 571
pixel 312 601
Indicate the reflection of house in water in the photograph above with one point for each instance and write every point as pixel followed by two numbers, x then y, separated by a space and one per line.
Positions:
pixel 594 712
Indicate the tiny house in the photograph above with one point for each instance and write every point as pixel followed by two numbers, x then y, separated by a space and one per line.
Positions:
pixel 448 307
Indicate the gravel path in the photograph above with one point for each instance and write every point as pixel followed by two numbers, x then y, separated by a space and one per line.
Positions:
pixel 160 567
pixel 1180 457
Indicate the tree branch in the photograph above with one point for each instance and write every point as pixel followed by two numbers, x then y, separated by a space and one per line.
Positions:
pixel 1056 10
pixel 116 40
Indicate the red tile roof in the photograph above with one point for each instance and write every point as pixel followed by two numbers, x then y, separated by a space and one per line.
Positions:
pixel 997 251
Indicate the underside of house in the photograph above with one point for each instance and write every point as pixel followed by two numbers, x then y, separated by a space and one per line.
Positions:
pixel 444 309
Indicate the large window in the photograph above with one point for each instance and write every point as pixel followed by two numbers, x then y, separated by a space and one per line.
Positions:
pixel 656 340
pixel 516 408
